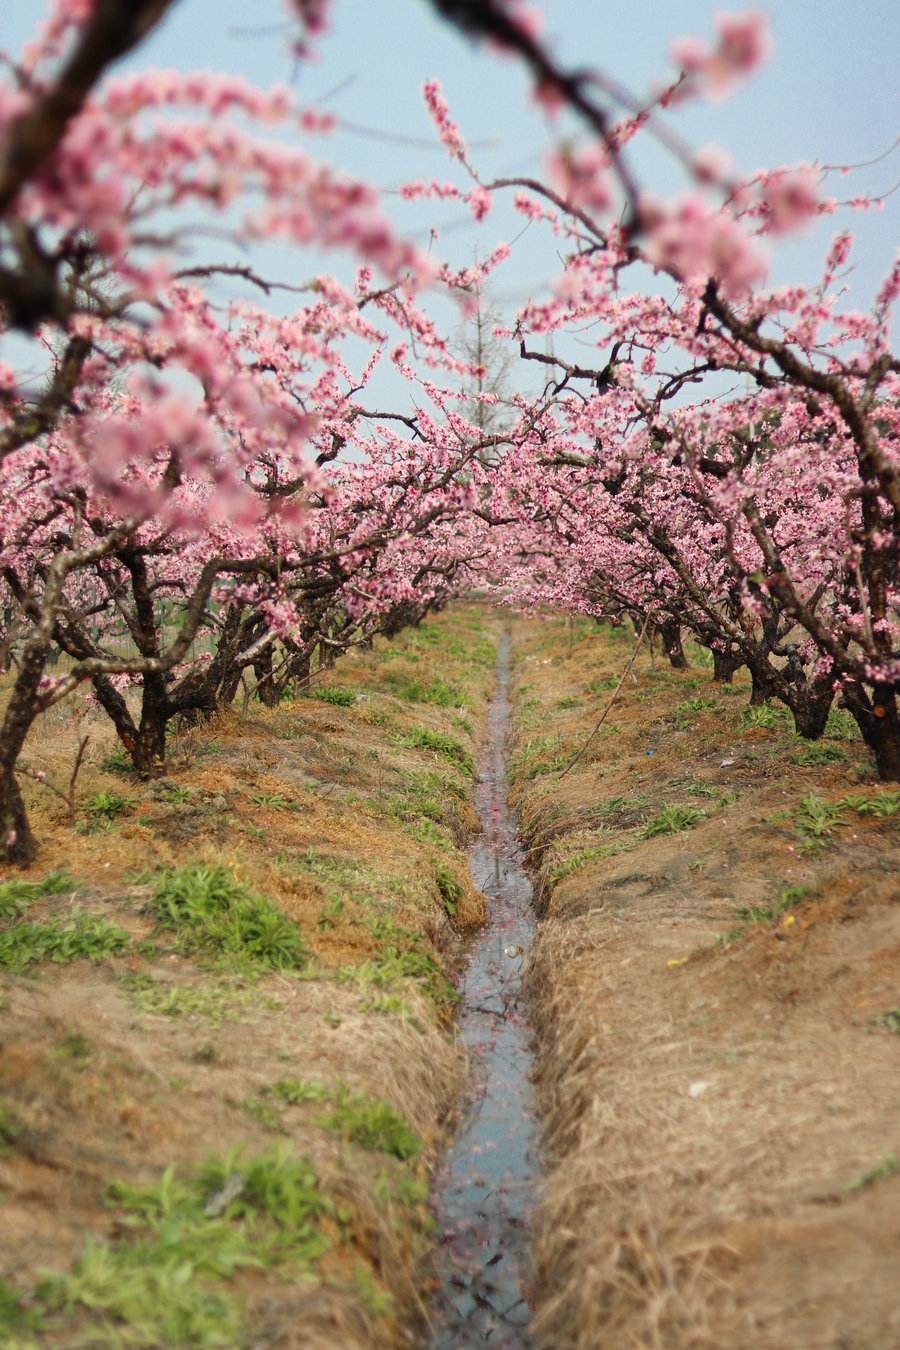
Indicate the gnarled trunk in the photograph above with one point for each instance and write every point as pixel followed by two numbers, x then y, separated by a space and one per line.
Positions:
pixel 724 666
pixel 762 686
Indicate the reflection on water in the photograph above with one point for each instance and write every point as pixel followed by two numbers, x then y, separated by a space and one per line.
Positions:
pixel 484 1191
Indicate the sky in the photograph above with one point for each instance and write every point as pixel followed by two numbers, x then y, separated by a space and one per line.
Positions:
pixel 830 93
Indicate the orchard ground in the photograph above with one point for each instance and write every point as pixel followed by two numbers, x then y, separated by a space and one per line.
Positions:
pixel 228 1061
pixel 278 1032
pixel 716 1010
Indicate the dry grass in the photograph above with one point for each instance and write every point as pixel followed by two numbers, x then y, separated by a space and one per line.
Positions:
pixel 707 1109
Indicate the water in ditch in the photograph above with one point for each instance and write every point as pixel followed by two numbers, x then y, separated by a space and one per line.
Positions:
pixel 485 1189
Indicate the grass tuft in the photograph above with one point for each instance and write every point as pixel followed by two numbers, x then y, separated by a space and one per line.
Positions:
pixel 88 937
pixel 211 911
pixel 671 820
pixel 16 895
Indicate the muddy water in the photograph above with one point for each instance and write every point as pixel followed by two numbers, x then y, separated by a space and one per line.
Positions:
pixel 484 1192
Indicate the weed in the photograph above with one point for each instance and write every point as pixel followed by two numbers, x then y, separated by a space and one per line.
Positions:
pixel 108 805
pixel 427 831
pixel 694 705
pixel 438 693
pixel 570 701
pixel 88 937
pixel 889 1166
pixel 421 738
pixel 276 801
pixel 763 715
pixel 330 914
pixel 604 684
pixel 204 1054
pixel 293 1091
pixel 117 761
pixel 816 818
pixel 375 1297
pixel 16 895
pixel 670 820
pixel 394 965
pixel 11 1131
pixel 335 694
pixel 371 1124
pixel 841 726
pixel 890 1020
pixel 449 886
pixel 573 862
pixel 166 1287
pixel 16 1321
pixel 882 804
pixel 786 899
pixel 74 1049
pixel 212 912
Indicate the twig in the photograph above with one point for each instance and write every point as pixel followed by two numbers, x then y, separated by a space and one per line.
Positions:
pixel 615 693
pixel 69 796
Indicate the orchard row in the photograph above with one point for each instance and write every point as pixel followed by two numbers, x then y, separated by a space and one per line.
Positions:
pixel 199 491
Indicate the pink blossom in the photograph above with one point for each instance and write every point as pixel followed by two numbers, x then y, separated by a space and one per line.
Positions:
pixel 581 176
pixel 791 198
pixel 744 45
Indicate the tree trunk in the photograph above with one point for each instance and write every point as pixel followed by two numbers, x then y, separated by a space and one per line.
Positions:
pixel 810 710
pixel 724 666
pixel 762 687
pixel 17 843
pixel 265 684
pixel 670 632
pixel 149 753
pixel 879 724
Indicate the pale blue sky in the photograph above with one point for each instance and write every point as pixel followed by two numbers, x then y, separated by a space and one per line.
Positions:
pixel 830 93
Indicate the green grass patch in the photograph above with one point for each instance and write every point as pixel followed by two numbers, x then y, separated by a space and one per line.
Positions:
pixel 422 738
pixel 335 694
pixel 18 1323
pixel 815 820
pixel 765 715
pixel 371 1124
pixel 168 1284
pixel 695 705
pixel 890 1020
pixel 221 1001
pixel 437 692
pixel 86 937
pixel 881 804
pixel 212 912
pixel 450 887
pixel 841 726
pixel 671 820
pixel 16 895
pixel 819 752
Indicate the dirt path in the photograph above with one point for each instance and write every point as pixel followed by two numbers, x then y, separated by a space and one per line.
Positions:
pixel 485 1189
pixel 717 1000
